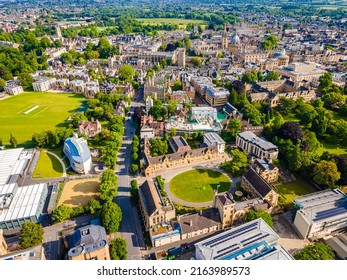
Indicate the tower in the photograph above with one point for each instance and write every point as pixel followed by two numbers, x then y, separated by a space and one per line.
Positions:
pixel 225 38
pixel 181 57
pixel 58 32
pixel 149 104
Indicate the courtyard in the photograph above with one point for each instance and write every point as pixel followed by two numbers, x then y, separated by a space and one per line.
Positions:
pixel 198 185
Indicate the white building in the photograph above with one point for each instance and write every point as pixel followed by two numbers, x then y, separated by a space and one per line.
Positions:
pixel 91 88
pixel 299 71
pixel 13 87
pixel 213 139
pixel 147 132
pixel 318 214
pixel 18 204
pixel 44 84
pixel 149 104
pixel 256 145
pixel 255 240
pixel 78 153
pixel 205 112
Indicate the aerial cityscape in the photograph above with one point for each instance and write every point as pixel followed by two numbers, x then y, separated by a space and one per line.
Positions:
pixel 173 130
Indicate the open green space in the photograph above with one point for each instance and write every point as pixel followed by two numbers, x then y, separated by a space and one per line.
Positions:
pixel 289 192
pixel 180 21
pixel 198 185
pixel 336 149
pixel 52 112
pixel 48 166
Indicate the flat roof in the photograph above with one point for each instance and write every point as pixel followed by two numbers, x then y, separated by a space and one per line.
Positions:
pixel 213 138
pixel 247 241
pixel 13 162
pixel 25 202
pixel 325 206
pixel 259 141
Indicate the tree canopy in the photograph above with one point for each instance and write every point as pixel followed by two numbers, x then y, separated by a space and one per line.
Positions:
pixel 252 215
pixel 30 235
pixel 317 251
pixel 118 249
pixel 110 216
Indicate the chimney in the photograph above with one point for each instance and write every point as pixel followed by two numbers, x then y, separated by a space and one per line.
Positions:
pixel 191 223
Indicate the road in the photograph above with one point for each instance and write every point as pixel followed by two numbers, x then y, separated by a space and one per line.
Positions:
pixel 130 227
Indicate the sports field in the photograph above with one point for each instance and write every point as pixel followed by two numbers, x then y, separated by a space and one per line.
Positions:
pixel 44 111
pixel 180 21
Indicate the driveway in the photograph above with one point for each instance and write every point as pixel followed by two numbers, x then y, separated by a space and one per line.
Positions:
pixel 212 164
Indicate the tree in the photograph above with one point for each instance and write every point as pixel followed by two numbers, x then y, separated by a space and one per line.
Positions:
pixel 57 43
pixel 26 80
pixel 196 61
pixel 104 47
pixel 249 77
pixel 272 76
pixel 326 173
pixel 2 84
pixel 294 158
pixel 62 213
pixel 158 146
pixel 341 163
pixel 173 132
pixel 238 162
pixel 325 81
pixel 234 127
pixel 251 112
pixel 292 131
pixel 253 215
pixel 311 142
pixel 93 206
pixel 77 211
pixel 108 185
pixel 13 141
pixel 118 249
pixel 269 43
pixel 110 216
pixel 30 235
pixel 126 72
pixel 134 168
pixel 317 251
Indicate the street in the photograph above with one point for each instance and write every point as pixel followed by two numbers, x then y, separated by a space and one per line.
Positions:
pixel 130 227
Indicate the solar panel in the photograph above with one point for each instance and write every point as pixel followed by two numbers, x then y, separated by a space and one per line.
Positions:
pixel 226 248
pixel 249 238
pixel 225 253
pixel 234 236
pixel 329 213
pixel 228 234
pixel 259 238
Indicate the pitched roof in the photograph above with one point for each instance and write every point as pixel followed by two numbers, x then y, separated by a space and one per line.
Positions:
pixel 199 221
pixel 257 182
pixel 150 197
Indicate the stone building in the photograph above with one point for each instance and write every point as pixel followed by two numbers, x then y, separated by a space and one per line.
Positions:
pixel 154 208
pixel 255 185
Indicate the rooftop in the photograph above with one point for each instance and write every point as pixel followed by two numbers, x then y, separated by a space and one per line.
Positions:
pixel 256 140
pixel 25 202
pixel 213 138
pixel 258 183
pixel 13 162
pixel 253 240
pixel 78 147
pixel 325 206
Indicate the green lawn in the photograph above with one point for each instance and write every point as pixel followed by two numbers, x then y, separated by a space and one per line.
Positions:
pixel 47 166
pixel 291 191
pixel 52 111
pixel 198 185
pixel 180 21
pixel 336 149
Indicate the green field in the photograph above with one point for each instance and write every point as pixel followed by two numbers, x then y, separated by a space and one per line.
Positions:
pixel 53 110
pixel 180 21
pixel 289 192
pixel 47 167
pixel 198 185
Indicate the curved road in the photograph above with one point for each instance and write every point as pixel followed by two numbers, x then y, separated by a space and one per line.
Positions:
pixel 212 165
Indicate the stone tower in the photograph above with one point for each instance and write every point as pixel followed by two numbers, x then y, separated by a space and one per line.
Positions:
pixel 225 38
pixel 3 244
pixel 181 57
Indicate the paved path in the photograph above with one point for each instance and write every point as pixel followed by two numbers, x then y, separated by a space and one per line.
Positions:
pixel 212 165
pixel 60 160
